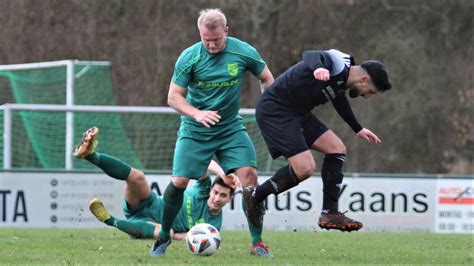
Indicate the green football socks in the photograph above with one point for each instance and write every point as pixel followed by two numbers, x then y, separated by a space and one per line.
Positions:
pixel 112 166
pixel 136 229
pixel 172 202
pixel 255 233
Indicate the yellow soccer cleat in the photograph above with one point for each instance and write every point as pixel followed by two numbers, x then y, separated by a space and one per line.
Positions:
pixel 88 143
pixel 98 209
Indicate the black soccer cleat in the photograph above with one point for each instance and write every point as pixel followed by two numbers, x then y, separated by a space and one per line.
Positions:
pixel 255 210
pixel 338 221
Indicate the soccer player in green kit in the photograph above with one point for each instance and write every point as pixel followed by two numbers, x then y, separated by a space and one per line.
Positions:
pixel 142 207
pixel 205 89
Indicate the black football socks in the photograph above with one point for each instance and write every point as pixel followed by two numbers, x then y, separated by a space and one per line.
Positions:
pixel 331 173
pixel 284 179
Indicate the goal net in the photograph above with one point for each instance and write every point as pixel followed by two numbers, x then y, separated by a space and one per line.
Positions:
pixel 42 138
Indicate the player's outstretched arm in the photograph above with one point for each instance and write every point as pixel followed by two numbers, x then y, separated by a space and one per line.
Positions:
pixel 231 179
pixel 178 236
pixel 216 169
pixel 174 236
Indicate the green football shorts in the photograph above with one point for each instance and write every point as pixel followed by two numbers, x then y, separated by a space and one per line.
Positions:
pixel 149 210
pixel 192 156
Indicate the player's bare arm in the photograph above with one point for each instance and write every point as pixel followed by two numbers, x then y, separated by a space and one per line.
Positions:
pixel 368 135
pixel 266 77
pixel 231 179
pixel 177 100
pixel 178 236
pixel 216 169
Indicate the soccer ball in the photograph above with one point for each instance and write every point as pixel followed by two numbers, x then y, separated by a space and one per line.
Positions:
pixel 203 239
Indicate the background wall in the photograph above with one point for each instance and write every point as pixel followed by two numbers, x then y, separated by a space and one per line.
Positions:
pixel 425 122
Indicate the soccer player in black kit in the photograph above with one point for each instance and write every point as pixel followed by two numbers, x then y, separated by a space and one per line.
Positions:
pixel 290 129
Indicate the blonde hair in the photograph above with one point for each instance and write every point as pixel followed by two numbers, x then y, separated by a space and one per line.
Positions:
pixel 211 18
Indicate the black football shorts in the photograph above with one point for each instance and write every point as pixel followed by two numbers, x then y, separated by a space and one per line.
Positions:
pixel 285 132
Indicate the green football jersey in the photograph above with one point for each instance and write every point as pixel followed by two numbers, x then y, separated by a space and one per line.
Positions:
pixel 214 82
pixel 195 209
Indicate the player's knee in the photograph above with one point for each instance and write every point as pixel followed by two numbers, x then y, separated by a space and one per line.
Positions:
pixel 180 182
pixel 330 144
pixel 303 171
pixel 337 147
pixel 342 149
pixel 136 176
pixel 247 175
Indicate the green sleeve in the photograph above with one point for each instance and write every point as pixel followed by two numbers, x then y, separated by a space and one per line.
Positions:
pixel 182 74
pixel 255 63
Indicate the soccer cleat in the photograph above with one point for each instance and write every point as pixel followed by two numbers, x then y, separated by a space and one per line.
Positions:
pixel 255 210
pixel 159 248
pixel 87 144
pixel 98 209
pixel 260 250
pixel 338 221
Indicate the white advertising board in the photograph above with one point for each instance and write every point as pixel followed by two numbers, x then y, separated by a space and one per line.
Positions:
pixel 455 206
pixel 55 199
pixel 381 204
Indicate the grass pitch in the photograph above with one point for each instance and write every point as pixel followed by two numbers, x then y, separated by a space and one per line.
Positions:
pixel 110 246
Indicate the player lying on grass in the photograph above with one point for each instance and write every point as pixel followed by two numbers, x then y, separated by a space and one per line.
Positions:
pixel 142 207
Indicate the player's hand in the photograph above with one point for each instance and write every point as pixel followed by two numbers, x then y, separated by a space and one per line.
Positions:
pixel 368 135
pixel 232 180
pixel 321 74
pixel 207 118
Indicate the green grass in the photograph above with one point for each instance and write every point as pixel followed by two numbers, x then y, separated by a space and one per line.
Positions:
pixel 109 246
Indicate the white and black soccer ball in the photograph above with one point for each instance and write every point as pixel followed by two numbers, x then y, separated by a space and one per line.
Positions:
pixel 203 239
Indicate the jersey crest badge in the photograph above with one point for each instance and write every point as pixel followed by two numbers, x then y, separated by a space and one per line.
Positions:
pixel 233 69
